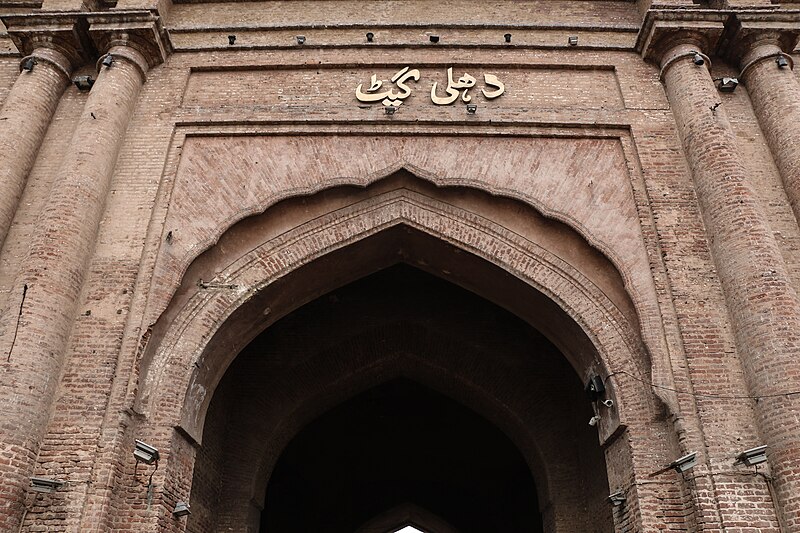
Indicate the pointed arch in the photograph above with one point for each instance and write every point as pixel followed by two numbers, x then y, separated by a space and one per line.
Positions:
pixel 539 269
pixel 601 334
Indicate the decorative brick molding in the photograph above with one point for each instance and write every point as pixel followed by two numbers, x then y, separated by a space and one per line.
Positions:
pixel 142 31
pixel 747 31
pixel 62 32
pixel 80 36
pixel 199 221
pixel 247 275
pixel 663 30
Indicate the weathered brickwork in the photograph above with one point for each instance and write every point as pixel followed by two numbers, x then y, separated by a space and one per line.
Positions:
pixel 775 94
pixel 26 113
pixel 219 188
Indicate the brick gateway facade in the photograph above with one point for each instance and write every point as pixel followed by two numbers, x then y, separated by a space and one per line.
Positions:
pixel 212 244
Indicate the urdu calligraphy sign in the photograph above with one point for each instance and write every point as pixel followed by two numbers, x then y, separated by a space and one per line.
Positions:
pixel 455 88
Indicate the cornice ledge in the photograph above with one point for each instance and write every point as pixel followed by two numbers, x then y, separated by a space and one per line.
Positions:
pixel 64 32
pixel 664 29
pixel 746 31
pixel 141 30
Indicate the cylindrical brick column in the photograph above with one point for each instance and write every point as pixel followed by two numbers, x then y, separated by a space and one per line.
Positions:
pixel 775 95
pixel 25 116
pixel 763 305
pixel 54 270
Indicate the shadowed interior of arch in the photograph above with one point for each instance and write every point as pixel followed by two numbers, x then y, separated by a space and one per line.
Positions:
pixel 416 372
pixel 396 442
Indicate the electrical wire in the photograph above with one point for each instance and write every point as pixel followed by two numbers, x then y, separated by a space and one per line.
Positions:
pixel 19 318
pixel 703 395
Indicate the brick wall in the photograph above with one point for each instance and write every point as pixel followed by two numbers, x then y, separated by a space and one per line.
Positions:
pixel 582 156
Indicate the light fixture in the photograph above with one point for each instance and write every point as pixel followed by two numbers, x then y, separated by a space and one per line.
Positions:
pixel 595 387
pixel 753 456
pixel 617 498
pixel 782 61
pixel 41 484
pixel 434 38
pixel 728 85
pixel 83 83
pixel 507 37
pixel 144 453
pixel 472 108
pixel 108 60
pixel 697 59
pixel 231 40
pixel 390 109
pixel 181 509
pixel 684 463
pixel 370 36
pixel 573 40
pixel 301 39
pixel 28 64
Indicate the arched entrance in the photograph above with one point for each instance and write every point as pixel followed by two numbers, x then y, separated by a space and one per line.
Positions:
pixel 397 442
pixel 505 403
pixel 569 298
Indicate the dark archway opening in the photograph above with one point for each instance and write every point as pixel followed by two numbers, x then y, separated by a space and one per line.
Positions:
pixel 400 442
pixel 400 387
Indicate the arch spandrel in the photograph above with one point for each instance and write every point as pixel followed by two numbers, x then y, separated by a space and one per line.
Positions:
pixel 611 342
pixel 583 182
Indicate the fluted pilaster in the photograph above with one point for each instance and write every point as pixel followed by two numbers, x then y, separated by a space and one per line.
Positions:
pixel 61 249
pixel 758 43
pixel 25 116
pixel 762 303
pixel 51 48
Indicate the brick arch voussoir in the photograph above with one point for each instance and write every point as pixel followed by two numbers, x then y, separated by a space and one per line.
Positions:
pixel 172 385
pixel 636 280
